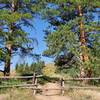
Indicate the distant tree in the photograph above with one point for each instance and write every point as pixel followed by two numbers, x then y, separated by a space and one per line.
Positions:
pixel 26 69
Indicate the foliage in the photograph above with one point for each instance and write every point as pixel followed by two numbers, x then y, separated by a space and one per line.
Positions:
pixel 14 15
pixel 49 70
pixel 26 69
pixel 62 36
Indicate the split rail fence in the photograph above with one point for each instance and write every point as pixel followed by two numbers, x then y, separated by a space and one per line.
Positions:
pixel 35 88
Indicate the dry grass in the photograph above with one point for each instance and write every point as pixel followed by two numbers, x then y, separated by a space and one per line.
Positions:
pixel 26 94
pixel 18 94
pixel 84 95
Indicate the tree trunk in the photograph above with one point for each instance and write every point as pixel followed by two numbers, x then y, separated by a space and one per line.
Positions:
pixel 7 61
pixel 9 45
pixel 84 57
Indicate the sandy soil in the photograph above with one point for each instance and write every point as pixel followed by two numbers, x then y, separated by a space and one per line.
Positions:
pixel 94 94
pixel 41 97
pixel 4 96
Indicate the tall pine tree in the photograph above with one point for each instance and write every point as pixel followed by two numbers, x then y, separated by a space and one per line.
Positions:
pixel 14 14
pixel 71 23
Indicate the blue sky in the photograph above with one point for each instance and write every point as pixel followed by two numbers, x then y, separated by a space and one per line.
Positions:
pixel 36 32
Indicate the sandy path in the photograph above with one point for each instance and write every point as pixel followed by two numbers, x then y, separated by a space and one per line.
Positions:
pixel 94 94
pixel 3 96
pixel 41 97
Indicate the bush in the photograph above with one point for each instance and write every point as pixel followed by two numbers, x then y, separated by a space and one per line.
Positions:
pixel 49 70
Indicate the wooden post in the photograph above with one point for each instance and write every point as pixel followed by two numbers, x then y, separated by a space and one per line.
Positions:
pixel 34 81
pixel 62 86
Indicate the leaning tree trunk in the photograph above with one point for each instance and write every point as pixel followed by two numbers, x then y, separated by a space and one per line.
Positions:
pixel 83 56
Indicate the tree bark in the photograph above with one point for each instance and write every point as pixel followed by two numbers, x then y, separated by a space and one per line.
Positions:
pixel 84 57
pixel 7 61
pixel 9 45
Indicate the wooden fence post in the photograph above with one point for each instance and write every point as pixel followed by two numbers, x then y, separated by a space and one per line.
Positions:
pixel 62 86
pixel 34 82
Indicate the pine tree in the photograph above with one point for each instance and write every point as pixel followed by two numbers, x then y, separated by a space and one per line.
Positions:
pixel 14 14
pixel 71 24
pixel 26 69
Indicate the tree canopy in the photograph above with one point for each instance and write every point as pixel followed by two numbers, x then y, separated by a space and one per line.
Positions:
pixel 63 34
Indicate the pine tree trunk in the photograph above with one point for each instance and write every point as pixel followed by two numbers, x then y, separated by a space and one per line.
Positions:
pixel 7 61
pixel 83 56
pixel 9 45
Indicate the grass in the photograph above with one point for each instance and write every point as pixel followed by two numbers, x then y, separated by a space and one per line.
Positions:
pixel 27 94
pixel 18 94
pixel 83 94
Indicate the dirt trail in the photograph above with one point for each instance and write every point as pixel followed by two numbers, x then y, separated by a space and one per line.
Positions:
pixel 3 96
pixel 51 94
pixel 41 97
pixel 95 95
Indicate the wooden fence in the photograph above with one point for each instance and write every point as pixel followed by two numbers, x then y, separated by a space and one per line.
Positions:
pixel 34 85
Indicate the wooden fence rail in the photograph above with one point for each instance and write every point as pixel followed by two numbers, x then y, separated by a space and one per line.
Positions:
pixel 31 86
pixel 39 76
pixel 69 87
pixel 19 85
pixel 34 85
pixel 19 77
